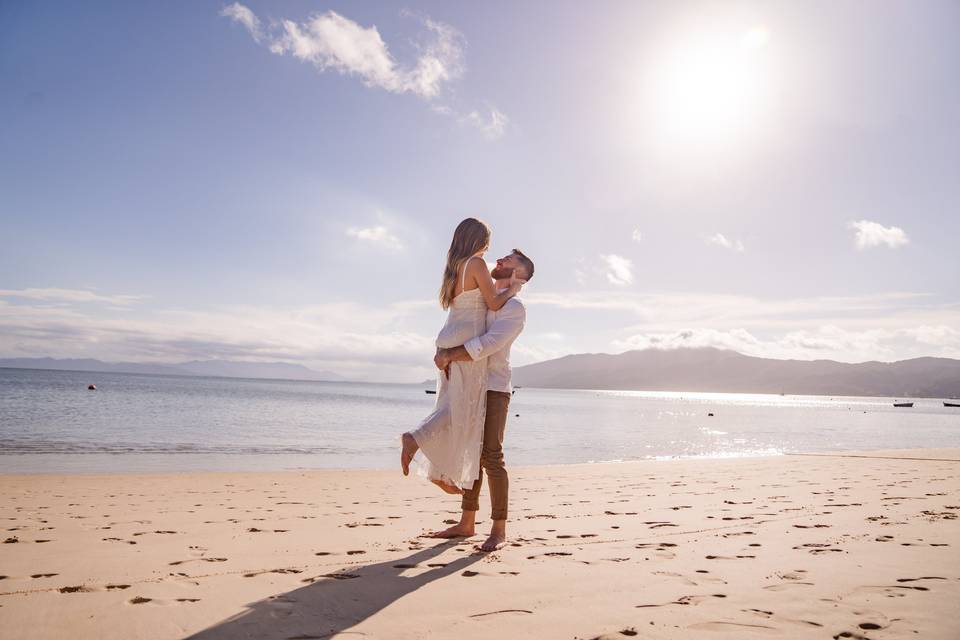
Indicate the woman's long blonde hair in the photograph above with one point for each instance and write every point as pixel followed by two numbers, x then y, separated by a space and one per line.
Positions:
pixel 471 236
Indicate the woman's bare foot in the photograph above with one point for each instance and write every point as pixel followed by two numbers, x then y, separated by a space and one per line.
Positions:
pixel 493 543
pixel 456 531
pixel 409 448
pixel 448 488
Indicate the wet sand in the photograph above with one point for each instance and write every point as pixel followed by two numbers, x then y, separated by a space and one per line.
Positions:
pixel 790 547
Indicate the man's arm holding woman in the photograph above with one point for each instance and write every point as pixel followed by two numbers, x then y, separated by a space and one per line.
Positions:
pixel 504 329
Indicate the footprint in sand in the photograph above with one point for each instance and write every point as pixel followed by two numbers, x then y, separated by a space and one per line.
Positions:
pixel 783 586
pixel 119 540
pixel 337 576
pixel 818 547
pixel 910 579
pixel 683 600
pixel 254 574
pixel 553 554
pixel 491 613
pixel 721 625
pixel 77 589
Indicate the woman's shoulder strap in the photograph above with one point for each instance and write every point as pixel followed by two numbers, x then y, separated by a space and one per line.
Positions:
pixel 463 276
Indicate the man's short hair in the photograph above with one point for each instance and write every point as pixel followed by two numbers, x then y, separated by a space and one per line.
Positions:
pixel 526 262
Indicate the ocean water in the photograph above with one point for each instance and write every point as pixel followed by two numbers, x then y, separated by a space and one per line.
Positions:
pixel 50 422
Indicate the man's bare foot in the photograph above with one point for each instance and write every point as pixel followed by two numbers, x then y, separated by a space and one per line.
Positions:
pixel 448 488
pixel 409 448
pixel 493 543
pixel 456 531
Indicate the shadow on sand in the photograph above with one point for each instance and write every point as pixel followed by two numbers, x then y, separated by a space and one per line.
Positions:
pixel 333 604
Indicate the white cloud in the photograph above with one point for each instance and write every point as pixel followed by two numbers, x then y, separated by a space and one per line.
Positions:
pixel 378 235
pixel 723 241
pixel 668 311
pixel 887 326
pixel 239 13
pixel 823 342
pixel 873 234
pixel 637 236
pixel 493 124
pixel 619 269
pixel 394 341
pixel 332 42
pixel 69 296
pixel 736 339
pixel 370 342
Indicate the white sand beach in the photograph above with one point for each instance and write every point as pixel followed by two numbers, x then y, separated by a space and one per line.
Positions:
pixel 789 546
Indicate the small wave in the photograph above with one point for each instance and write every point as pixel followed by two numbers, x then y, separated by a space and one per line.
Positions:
pixel 743 453
pixel 81 448
pixel 712 432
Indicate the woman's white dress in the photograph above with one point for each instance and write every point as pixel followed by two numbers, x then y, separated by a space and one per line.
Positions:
pixel 451 437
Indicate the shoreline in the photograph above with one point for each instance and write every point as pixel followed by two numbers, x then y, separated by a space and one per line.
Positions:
pixel 426 383
pixel 795 545
pixel 179 472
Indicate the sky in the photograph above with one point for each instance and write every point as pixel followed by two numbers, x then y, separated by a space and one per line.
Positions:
pixel 280 181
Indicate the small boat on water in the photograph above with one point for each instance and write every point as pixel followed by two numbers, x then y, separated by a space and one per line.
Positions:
pixel 903 404
pixel 430 391
pixel 951 404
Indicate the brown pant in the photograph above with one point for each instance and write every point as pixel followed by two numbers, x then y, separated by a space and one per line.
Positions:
pixel 491 459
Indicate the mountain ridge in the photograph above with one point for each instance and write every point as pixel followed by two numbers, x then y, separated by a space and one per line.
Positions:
pixel 199 368
pixel 707 369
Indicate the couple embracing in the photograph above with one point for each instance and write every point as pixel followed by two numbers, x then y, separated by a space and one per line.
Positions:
pixel 463 437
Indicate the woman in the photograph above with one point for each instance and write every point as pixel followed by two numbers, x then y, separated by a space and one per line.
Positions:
pixel 452 436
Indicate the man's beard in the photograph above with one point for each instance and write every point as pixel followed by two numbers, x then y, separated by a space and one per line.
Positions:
pixel 501 273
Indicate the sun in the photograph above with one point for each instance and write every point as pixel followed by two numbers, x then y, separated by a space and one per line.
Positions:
pixel 711 88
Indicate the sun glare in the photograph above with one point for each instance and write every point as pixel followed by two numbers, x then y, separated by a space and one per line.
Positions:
pixel 711 89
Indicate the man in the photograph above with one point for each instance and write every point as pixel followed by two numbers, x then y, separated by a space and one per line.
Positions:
pixel 503 327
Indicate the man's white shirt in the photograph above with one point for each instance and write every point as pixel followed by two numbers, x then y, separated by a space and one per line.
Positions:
pixel 503 327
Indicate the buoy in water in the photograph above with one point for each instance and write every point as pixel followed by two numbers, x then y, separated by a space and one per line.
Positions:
pixel 92 387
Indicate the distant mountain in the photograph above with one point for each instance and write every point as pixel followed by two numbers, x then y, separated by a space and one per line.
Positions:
pixel 233 369
pixel 216 368
pixel 717 370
